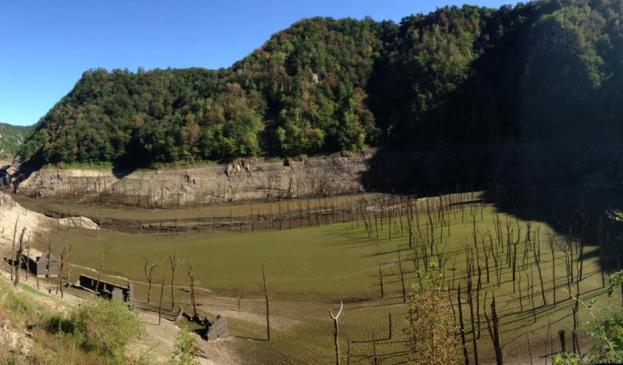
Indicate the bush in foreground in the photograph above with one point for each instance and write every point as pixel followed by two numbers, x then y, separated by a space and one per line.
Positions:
pixel 105 327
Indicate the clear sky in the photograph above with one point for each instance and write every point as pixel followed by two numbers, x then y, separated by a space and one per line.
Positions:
pixel 45 45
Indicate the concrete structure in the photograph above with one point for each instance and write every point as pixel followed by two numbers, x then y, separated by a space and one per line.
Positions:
pixel 36 262
pixel 107 289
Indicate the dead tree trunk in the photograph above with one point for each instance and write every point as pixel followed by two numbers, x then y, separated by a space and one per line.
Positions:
pixel 18 257
pixel 47 264
pixel 173 265
pixel 494 332
pixel 336 332
pixel 470 298
pixel 381 281
pixel 64 257
pixel 149 273
pixel 99 275
pixel 13 249
pixel 537 260
pixel 402 279
pixel 193 299
pixel 551 246
pixel 462 326
pixel 267 304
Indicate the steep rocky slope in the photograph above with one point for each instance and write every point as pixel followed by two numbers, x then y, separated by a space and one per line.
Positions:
pixel 244 179
pixel 14 218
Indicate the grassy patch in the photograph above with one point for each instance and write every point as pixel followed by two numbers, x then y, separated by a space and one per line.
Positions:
pixel 310 269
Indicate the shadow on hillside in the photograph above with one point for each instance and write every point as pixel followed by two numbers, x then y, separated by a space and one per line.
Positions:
pixel 121 170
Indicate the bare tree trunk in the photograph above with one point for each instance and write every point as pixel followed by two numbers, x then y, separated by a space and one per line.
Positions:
pixel 473 319
pixel 551 245
pixel 462 327
pixel 149 273
pixel 173 265
pixel 381 281
pixel 494 332
pixel 18 256
pixel 193 300
pixel 336 332
pixel 402 279
pixel 49 257
pixel 537 260
pixel 478 302
pixel 13 249
pixel 99 275
pixel 64 257
pixel 267 304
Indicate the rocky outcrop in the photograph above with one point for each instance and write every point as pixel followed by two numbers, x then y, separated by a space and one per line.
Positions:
pixel 14 219
pixel 244 179
pixel 78 222
pixel 13 340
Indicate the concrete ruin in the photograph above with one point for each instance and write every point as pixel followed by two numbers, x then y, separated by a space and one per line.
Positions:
pixel 36 262
pixel 210 331
pixel 107 289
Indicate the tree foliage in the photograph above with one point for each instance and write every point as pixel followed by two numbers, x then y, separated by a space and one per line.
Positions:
pixel 605 329
pixel 11 137
pixel 540 71
pixel 186 348
pixel 431 335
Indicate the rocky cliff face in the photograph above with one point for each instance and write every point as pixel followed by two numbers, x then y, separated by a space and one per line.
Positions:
pixel 244 179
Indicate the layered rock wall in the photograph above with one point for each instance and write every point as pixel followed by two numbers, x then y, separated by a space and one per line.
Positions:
pixel 245 179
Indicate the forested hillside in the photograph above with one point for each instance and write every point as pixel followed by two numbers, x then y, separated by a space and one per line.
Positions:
pixel 541 71
pixel 11 137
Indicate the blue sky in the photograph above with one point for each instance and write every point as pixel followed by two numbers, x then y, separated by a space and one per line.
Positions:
pixel 46 45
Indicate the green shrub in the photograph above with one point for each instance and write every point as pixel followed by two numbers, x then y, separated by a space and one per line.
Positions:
pixel 185 348
pixel 106 327
pixel 605 329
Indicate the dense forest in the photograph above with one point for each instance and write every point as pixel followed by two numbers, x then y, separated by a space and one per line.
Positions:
pixel 541 71
pixel 11 137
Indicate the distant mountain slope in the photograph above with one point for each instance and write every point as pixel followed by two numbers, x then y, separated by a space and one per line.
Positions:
pixel 539 71
pixel 11 138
